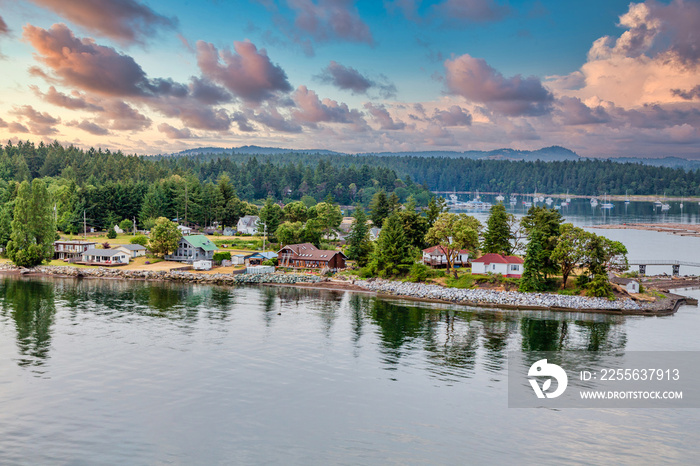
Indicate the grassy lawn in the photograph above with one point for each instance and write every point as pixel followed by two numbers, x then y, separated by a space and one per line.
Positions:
pixel 99 239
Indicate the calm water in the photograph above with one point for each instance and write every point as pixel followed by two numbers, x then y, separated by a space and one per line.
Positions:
pixel 114 372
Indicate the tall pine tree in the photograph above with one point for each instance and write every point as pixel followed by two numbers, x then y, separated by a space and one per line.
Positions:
pixel 498 235
pixel 359 246
pixel 393 255
pixel 33 226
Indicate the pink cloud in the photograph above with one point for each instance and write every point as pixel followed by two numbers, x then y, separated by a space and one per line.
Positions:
pixel 174 133
pixel 348 78
pixel 40 123
pixel 475 80
pixel 330 19
pixel 84 64
pixel 89 127
pixel 382 116
pixel 4 30
pixel 126 21
pixel 454 116
pixel 248 73
pixel 77 102
pixel 312 110
pixel 16 127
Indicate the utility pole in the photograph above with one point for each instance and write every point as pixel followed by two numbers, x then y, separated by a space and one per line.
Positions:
pixel 135 230
pixel 264 235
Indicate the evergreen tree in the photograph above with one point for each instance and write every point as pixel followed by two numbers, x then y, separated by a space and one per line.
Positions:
pixel 33 226
pixel 379 208
pixel 497 238
pixel 533 278
pixel 393 255
pixel 544 223
pixel 270 215
pixel 435 207
pixel 359 247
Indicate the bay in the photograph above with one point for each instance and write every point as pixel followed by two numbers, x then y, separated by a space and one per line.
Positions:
pixel 124 372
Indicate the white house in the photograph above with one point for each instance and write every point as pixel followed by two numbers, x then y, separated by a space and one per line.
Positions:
pixel 374 233
pixel 106 256
pixel 630 285
pixel 118 230
pixel 248 225
pixel 184 230
pixel 508 266
pixel 134 250
pixel 437 257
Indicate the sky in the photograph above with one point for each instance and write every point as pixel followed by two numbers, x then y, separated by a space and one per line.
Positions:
pixel 604 78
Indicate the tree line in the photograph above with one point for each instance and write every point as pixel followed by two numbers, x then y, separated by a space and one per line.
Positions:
pixel 584 177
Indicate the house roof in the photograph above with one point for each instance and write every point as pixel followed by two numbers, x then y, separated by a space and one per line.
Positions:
pixel 200 241
pixel 307 251
pixel 74 242
pixel 132 247
pixel 103 252
pixel 248 221
pixel 622 280
pixel 491 258
pixel 515 260
pixel 439 250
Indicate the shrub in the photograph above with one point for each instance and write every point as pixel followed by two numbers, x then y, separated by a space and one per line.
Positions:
pixel 269 262
pixel 139 239
pixel 221 256
pixel 111 234
pixel 419 273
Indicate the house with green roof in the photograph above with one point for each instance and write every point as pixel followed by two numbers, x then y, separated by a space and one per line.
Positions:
pixel 193 248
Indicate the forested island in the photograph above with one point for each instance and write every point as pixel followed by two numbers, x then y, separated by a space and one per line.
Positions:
pixel 100 187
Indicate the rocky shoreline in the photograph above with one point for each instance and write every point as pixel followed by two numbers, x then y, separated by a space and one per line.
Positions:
pixel 417 291
pixel 504 299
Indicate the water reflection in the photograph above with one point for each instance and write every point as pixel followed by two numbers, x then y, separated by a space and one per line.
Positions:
pixel 30 304
pixel 450 342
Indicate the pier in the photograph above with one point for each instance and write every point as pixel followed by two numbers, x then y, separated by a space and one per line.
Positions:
pixel 676 265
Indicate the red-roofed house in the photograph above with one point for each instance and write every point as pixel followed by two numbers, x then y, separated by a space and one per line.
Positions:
pixel 508 266
pixel 437 257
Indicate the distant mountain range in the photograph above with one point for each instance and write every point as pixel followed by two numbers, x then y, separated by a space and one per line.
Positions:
pixel 546 154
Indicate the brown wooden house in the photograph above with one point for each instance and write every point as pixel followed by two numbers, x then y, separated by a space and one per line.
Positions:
pixel 308 256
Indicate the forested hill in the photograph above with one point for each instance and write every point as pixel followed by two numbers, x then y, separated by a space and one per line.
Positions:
pixel 582 176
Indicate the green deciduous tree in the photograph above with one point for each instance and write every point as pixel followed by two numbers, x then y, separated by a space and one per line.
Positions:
pixel 329 217
pixel 295 212
pixel 290 233
pixel 164 237
pixel 570 250
pixel 454 232
pixel 498 236
pixel 33 226
pixel 139 239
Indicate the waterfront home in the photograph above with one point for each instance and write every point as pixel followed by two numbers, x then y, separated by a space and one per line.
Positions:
pixel 436 256
pixel 306 255
pixel 508 266
pixel 184 230
pixel 252 258
pixel 134 250
pixel 248 225
pixel 95 256
pixel 71 250
pixel 228 231
pixel 193 248
pixel 630 285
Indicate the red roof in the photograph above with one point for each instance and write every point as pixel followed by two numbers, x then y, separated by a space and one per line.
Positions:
pixel 434 249
pixel 515 260
pixel 491 258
